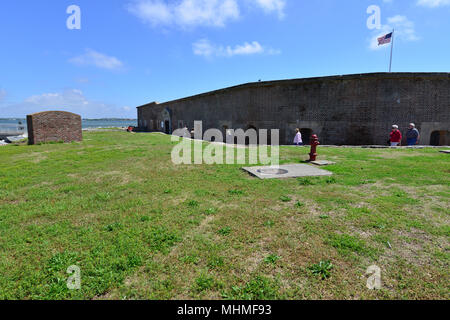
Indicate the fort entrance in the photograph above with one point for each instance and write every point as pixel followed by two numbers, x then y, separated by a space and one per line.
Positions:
pixel 439 138
pixel 167 121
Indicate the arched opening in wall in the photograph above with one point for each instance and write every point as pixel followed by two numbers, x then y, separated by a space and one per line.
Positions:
pixel 167 126
pixel 306 135
pixel 167 121
pixel 439 138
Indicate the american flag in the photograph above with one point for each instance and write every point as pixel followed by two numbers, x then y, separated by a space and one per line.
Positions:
pixel 385 39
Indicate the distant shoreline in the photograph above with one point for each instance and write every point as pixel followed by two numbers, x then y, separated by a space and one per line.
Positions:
pixel 16 126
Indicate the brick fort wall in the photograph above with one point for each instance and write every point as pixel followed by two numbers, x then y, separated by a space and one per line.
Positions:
pixel 54 126
pixel 352 109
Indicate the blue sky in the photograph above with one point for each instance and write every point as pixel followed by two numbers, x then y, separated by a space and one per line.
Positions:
pixel 131 52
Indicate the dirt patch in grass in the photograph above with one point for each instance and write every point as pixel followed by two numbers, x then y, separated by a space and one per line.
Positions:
pixel 409 246
pixel 396 155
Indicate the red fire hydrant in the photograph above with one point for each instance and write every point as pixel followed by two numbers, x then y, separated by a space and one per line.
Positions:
pixel 314 143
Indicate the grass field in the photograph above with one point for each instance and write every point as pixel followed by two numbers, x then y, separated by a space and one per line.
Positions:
pixel 140 227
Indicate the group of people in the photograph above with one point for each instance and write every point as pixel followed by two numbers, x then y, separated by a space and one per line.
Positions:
pixel 395 139
pixel 412 136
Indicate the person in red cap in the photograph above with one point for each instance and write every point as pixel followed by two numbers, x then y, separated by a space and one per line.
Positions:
pixel 396 136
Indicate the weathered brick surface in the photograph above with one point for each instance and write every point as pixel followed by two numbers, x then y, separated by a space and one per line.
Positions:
pixel 54 126
pixel 351 109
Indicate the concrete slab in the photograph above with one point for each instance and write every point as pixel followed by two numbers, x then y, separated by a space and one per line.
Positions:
pixel 445 151
pixel 287 171
pixel 323 163
pixel 12 139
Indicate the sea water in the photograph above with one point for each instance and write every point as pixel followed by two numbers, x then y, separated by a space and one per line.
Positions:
pixel 15 125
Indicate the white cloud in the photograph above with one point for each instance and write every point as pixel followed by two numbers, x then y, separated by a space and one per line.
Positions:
pixel 204 48
pixel 154 12
pixel 404 27
pixel 245 49
pixel 207 49
pixel 186 13
pixel 192 13
pixel 97 59
pixel 433 3
pixel 71 100
pixel 404 30
pixel 270 6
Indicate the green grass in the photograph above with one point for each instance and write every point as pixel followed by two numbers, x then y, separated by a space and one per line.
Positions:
pixel 224 231
pixel 140 227
pixel 323 269
pixel 272 259
pixel 258 288
pixel 285 199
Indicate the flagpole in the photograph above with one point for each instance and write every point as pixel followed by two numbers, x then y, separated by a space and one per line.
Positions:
pixel 392 49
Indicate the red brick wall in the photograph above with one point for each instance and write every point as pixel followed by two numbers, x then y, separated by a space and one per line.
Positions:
pixel 352 109
pixel 54 126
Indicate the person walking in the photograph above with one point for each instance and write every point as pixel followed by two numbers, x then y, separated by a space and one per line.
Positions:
pixel 298 138
pixel 395 136
pixel 413 135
